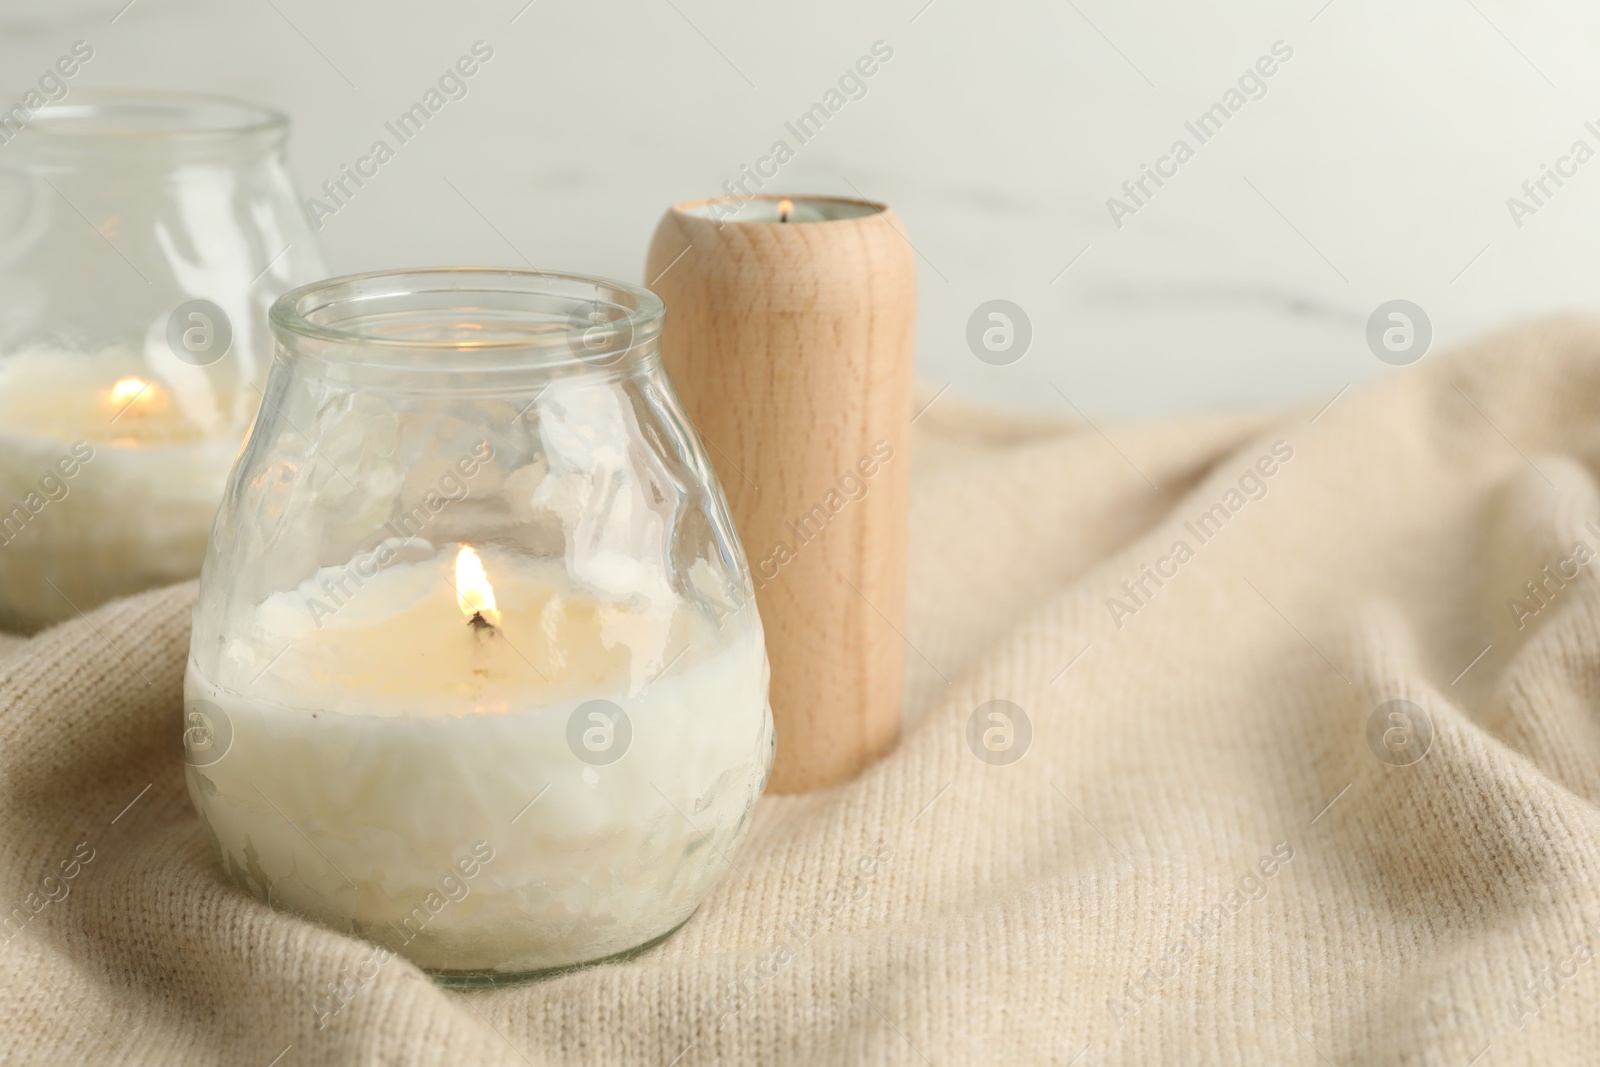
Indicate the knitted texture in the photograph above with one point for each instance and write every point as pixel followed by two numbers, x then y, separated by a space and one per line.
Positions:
pixel 1218 846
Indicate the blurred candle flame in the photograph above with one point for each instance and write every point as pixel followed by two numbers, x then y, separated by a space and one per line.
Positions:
pixel 130 391
pixel 785 206
pixel 473 592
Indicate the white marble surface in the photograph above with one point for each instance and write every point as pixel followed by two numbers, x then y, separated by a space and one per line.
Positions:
pixel 1377 165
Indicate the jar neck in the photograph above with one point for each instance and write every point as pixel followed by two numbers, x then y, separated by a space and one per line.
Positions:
pixel 467 330
pixel 92 156
pixel 141 132
pixel 428 375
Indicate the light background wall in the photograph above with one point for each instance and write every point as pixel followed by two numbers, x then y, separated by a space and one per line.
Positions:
pixel 1377 165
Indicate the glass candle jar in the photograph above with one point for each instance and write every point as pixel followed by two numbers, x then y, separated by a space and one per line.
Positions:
pixel 476 669
pixel 143 236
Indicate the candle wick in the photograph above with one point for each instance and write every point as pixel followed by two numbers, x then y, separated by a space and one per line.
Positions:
pixel 480 624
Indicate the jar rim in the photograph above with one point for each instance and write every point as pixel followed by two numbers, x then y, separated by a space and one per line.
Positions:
pixel 525 318
pixel 138 115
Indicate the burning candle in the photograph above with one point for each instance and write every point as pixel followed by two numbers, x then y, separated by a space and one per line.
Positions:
pixel 108 480
pixel 476 672
pixel 428 719
pixel 779 209
pixel 145 235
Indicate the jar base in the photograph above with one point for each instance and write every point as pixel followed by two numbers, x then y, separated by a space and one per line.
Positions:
pixel 475 980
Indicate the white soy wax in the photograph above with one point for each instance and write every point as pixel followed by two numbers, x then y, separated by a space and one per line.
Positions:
pixel 356 765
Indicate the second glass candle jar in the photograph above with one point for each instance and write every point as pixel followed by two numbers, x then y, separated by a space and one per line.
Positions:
pixel 476 668
pixel 143 236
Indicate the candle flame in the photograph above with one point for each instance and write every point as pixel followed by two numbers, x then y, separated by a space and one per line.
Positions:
pixel 785 206
pixel 473 592
pixel 130 391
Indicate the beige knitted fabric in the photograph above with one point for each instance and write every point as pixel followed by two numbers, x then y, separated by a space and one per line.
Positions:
pixel 1205 856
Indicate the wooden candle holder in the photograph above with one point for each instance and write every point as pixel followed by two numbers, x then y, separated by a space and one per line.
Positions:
pixel 791 344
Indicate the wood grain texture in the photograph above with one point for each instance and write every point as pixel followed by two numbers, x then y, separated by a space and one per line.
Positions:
pixel 792 345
